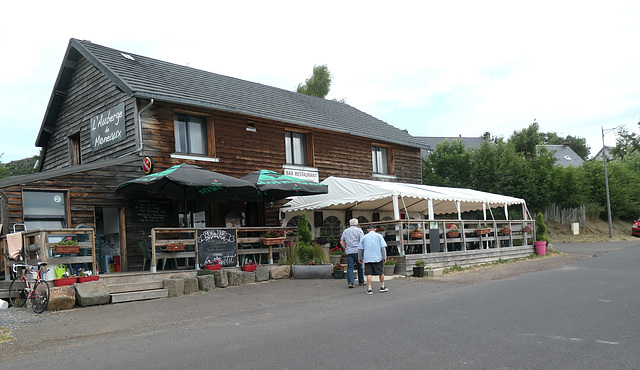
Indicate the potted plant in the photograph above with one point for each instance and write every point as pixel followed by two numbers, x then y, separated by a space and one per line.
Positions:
pixel 249 266
pixel 416 233
pixel 389 266
pixel 526 228
pixel 308 261
pixel 87 275
pixel 418 269
pixel 541 240
pixel 506 230
pixel 212 265
pixel 453 231
pixel 338 271
pixel 273 237
pixel 67 246
pixel 66 279
pixel 335 254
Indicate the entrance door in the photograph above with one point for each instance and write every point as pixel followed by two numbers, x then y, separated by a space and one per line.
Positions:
pixel 110 236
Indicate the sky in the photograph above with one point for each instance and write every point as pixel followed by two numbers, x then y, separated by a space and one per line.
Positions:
pixel 434 68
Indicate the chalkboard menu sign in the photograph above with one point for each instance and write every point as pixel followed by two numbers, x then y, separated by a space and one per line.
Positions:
pixel 152 211
pixel 218 244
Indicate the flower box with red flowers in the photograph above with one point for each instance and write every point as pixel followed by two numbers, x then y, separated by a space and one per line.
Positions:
pixel 249 267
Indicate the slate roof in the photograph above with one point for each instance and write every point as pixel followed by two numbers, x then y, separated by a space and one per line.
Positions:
pixel 144 77
pixel 564 155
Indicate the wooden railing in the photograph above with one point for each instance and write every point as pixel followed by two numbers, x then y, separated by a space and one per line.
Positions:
pixel 249 244
pixel 38 246
pixel 437 236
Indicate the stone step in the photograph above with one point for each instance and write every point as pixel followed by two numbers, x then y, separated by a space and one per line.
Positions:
pixel 139 295
pixel 134 287
pixel 4 293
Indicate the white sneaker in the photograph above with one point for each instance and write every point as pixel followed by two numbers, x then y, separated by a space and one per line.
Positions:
pixel 384 289
pixel 369 291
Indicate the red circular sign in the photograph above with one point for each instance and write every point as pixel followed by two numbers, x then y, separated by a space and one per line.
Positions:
pixel 147 165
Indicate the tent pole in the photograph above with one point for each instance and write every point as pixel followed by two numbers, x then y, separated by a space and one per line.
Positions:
pixel 396 208
pixel 458 208
pixel 430 207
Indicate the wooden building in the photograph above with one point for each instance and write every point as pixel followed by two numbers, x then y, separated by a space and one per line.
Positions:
pixel 110 111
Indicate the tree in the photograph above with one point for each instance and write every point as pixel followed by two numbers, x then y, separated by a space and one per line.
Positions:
pixel 448 165
pixel 318 84
pixel 626 143
pixel 527 140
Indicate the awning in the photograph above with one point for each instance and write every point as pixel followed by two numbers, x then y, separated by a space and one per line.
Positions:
pixel 369 195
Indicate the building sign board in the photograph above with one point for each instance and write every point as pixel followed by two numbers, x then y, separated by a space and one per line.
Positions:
pixel 302 174
pixel 107 128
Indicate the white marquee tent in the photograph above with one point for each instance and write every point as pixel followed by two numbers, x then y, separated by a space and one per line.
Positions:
pixel 369 195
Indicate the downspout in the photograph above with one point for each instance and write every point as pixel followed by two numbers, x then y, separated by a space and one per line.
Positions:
pixel 139 129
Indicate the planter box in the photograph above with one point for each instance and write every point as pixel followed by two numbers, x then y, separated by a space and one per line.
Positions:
pixel 249 267
pixel 67 249
pixel 417 234
pixel 65 281
pixel 213 267
pixel 338 274
pixel 273 241
pixel 311 271
pixel 483 231
pixel 84 279
pixel 174 247
pixel 505 231
pixel 453 234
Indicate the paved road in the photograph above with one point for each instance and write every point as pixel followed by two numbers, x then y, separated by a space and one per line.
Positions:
pixel 576 316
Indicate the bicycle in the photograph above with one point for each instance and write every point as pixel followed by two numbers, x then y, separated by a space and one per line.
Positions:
pixel 22 289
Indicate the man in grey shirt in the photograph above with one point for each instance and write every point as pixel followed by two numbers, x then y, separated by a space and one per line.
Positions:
pixel 349 241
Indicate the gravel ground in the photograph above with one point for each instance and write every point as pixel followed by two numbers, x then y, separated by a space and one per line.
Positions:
pixel 12 318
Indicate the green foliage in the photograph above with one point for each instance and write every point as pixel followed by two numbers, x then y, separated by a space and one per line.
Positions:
pixel 19 167
pixel 449 165
pixel 318 84
pixel 626 143
pixel 420 263
pixel 541 228
pixel 303 229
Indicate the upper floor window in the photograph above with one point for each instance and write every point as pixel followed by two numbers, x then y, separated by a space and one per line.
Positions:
pixel 380 159
pixel 75 153
pixel 190 134
pixel 296 147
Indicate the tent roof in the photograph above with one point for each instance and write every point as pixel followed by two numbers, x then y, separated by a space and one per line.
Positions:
pixel 369 195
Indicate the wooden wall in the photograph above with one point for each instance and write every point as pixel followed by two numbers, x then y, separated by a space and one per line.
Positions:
pixel 90 93
pixel 240 151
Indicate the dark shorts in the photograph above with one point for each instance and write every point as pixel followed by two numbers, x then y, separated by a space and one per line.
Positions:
pixel 373 268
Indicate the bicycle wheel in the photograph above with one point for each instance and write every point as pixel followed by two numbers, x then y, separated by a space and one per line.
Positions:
pixel 40 297
pixel 17 294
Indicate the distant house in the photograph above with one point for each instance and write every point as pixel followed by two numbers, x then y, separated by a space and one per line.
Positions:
pixel 432 141
pixel 605 149
pixel 565 156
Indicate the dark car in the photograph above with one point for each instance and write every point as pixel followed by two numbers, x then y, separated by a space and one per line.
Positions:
pixel 635 228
